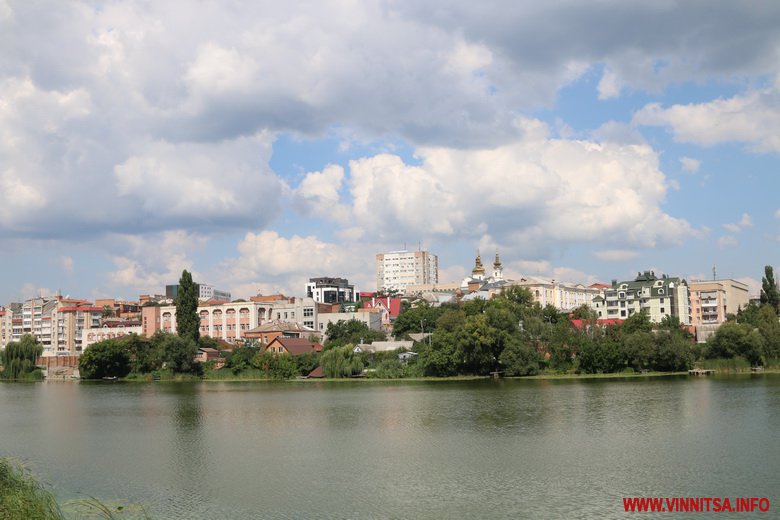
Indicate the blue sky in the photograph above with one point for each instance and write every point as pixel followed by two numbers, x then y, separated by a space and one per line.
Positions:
pixel 259 144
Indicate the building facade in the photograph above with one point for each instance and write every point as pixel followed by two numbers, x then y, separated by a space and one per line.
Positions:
pixel 712 300
pixel 397 270
pixel 658 297
pixel 330 290
pixel 562 295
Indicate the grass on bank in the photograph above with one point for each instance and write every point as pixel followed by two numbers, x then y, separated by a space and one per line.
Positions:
pixel 22 497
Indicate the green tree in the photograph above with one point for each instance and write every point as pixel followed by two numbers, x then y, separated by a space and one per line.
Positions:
pixel 637 322
pixel 350 331
pixel 584 312
pixel 639 349
pixel 440 356
pixel 341 362
pixel 416 319
pixel 769 328
pixel 144 358
pixel 749 314
pixel 187 319
pixel 18 358
pixel 770 295
pixel 736 339
pixel 519 359
pixel 107 358
pixel 177 353
pixel 672 353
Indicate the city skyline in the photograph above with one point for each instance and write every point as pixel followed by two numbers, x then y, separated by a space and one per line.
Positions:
pixel 261 145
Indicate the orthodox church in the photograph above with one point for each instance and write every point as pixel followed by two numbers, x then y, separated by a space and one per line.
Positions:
pixel 479 282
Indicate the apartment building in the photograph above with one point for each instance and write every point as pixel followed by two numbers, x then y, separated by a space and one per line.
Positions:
pixel 330 290
pixel 397 270
pixel 658 297
pixel 712 300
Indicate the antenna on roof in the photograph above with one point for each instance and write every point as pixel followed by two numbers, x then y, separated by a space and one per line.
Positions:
pixel 714 272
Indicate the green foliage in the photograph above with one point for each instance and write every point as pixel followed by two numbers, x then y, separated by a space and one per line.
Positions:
pixel 519 359
pixel 144 357
pixel 418 319
pixel 672 354
pixel 107 358
pixel 18 358
pixel 769 328
pixel 584 312
pixel 276 366
pixel 209 342
pixel 187 319
pixel 736 339
pixel 350 331
pixel 600 355
pixel 341 362
pixel 240 358
pixel 307 362
pixel 22 497
pixel 440 357
pixel 638 322
pixel 749 314
pixel 519 296
pixel 177 353
pixel 770 295
pixel 639 350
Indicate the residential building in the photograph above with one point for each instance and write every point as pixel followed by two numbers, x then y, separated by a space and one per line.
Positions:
pixel 564 296
pixel 293 346
pixel 109 329
pixel 659 297
pixel 372 318
pixel 119 308
pixel 269 331
pixel 330 290
pixel 712 300
pixel 230 321
pixel 397 270
pixel 388 307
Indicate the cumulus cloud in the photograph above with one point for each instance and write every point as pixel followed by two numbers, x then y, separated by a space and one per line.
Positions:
pixel 146 264
pixel 318 192
pixel 533 191
pixel 752 118
pixel 727 241
pixel 272 261
pixel 609 85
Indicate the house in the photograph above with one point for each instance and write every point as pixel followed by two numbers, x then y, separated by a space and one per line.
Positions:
pixel 388 307
pixel 293 346
pixel 267 332
pixel 210 354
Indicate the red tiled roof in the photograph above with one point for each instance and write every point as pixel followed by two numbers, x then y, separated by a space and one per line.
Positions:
pixel 297 346
pixel 579 324
pixel 317 372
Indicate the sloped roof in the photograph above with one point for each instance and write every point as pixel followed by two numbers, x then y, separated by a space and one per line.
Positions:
pixel 297 346
pixel 281 326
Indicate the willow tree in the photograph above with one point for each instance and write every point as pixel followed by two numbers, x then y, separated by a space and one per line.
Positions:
pixel 19 357
pixel 187 319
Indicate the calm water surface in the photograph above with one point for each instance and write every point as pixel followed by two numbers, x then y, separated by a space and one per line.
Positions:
pixel 480 449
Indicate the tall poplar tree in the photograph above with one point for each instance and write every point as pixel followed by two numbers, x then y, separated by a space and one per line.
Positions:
pixel 187 319
pixel 769 292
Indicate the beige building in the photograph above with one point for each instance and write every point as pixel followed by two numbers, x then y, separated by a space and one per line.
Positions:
pixel 110 329
pixel 562 295
pixel 397 270
pixel 712 300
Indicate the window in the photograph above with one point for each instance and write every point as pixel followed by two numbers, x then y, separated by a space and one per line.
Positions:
pixel 621 295
pixel 623 314
pixel 308 312
pixel 662 310
pixel 660 291
pixel 661 301
pixel 292 315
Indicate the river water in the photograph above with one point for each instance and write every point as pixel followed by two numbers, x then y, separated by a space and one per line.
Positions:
pixel 362 449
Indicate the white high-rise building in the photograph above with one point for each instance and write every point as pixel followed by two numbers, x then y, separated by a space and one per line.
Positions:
pixel 398 269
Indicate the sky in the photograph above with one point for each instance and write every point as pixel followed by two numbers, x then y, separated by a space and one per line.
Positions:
pixel 258 144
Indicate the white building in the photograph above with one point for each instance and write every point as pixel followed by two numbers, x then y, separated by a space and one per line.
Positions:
pixel 397 270
pixel 563 296
pixel 208 292
pixel 330 290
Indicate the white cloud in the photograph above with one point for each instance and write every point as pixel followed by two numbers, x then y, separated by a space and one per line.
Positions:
pixel 745 222
pixel 777 213
pixel 727 241
pixel 148 263
pixel 609 86
pixel 271 261
pixel 616 255
pixel 318 192
pixel 529 193
pixel 690 165
pixel 752 118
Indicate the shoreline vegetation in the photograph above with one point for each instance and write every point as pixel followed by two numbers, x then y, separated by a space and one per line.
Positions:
pixel 509 335
pixel 23 496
